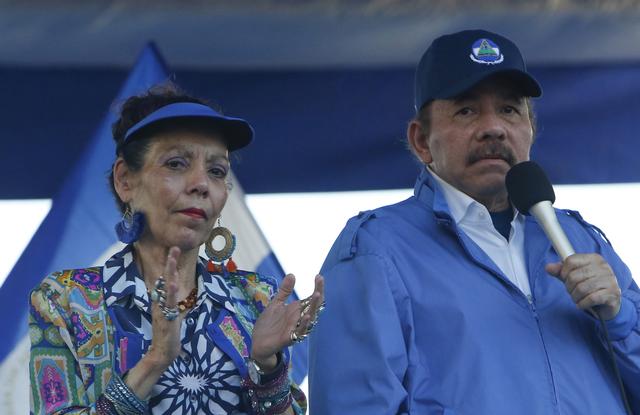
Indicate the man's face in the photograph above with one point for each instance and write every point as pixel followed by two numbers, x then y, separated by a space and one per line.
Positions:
pixel 474 139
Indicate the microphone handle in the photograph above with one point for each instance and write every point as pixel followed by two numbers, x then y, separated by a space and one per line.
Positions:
pixel 546 217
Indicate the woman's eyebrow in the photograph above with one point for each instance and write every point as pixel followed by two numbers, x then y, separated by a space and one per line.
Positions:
pixel 182 150
pixel 218 157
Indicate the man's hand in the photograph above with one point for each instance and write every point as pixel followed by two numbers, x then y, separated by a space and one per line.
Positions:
pixel 591 283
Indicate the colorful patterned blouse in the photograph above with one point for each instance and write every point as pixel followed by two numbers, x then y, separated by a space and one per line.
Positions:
pixel 86 323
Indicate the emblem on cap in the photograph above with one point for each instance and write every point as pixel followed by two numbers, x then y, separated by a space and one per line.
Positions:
pixel 486 52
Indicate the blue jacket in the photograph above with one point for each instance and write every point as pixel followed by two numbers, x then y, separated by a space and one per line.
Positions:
pixel 420 321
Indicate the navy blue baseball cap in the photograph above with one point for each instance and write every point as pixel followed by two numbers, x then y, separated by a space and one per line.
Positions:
pixel 236 132
pixel 455 63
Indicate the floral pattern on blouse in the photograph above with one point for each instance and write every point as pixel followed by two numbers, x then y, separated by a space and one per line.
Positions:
pixel 86 323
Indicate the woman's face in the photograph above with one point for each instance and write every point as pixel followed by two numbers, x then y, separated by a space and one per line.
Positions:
pixel 181 187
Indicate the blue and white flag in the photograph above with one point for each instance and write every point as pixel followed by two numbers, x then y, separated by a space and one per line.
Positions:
pixel 78 231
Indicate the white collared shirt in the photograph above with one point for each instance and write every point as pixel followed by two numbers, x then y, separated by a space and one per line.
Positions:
pixel 474 219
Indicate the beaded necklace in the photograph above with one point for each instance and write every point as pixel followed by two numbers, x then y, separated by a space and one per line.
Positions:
pixel 188 302
pixel 240 283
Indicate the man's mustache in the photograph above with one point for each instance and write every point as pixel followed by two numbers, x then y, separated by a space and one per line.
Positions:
pixel 492 150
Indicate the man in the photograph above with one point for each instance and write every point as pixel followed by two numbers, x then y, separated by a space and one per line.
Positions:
pixel 452 302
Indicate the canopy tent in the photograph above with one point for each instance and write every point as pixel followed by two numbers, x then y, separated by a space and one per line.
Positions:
pixel 327 84
pixel 318 130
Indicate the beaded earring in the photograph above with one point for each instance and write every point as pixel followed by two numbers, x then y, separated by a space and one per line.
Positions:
pixel 218 256
pixel 130 226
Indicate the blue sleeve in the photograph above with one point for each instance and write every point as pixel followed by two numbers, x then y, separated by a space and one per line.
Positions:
pixel 624 329
pixel 625 336
pixel 358 353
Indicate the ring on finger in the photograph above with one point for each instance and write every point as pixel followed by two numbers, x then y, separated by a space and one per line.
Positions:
pixel 158 293
pixel 312 324
pixel 169 313
pixel 305 304
pixel 158 296
pixel 295 338
pixel 159 284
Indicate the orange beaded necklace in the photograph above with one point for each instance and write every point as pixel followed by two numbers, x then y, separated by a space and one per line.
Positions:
pixel 188 302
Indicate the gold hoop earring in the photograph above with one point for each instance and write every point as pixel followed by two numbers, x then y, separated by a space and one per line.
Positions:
pixel 220 255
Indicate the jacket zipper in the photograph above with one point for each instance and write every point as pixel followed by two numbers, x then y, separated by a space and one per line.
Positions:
pixel 532 307
pixel 530 301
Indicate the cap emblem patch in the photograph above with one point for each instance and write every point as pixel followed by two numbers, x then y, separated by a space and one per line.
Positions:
pixel 486 52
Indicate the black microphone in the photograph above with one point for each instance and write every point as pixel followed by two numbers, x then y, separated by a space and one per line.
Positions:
pixel 532 194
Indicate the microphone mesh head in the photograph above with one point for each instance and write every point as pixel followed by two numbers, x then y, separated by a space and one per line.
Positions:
pixel 527 185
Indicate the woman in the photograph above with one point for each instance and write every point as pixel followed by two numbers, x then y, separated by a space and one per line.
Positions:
pixel 158 329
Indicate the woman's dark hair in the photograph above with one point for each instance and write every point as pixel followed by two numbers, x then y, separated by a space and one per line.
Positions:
pixel 133 110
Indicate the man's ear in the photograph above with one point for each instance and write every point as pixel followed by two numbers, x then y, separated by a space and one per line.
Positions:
pixel 123 180
pixel 418 140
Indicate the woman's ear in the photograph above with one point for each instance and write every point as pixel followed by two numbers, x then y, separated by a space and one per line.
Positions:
pixel 123 180
pixel 418 141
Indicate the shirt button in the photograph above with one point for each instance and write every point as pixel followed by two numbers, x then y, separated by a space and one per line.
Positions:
pixel 191 321
pixel 193 398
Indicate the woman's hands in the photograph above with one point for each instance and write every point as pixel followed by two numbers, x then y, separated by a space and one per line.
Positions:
pixel 273 330
pixel 165 343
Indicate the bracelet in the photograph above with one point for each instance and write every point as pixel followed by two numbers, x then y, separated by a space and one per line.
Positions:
pixel 105 407
pixel 270 398
pixel 123 399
